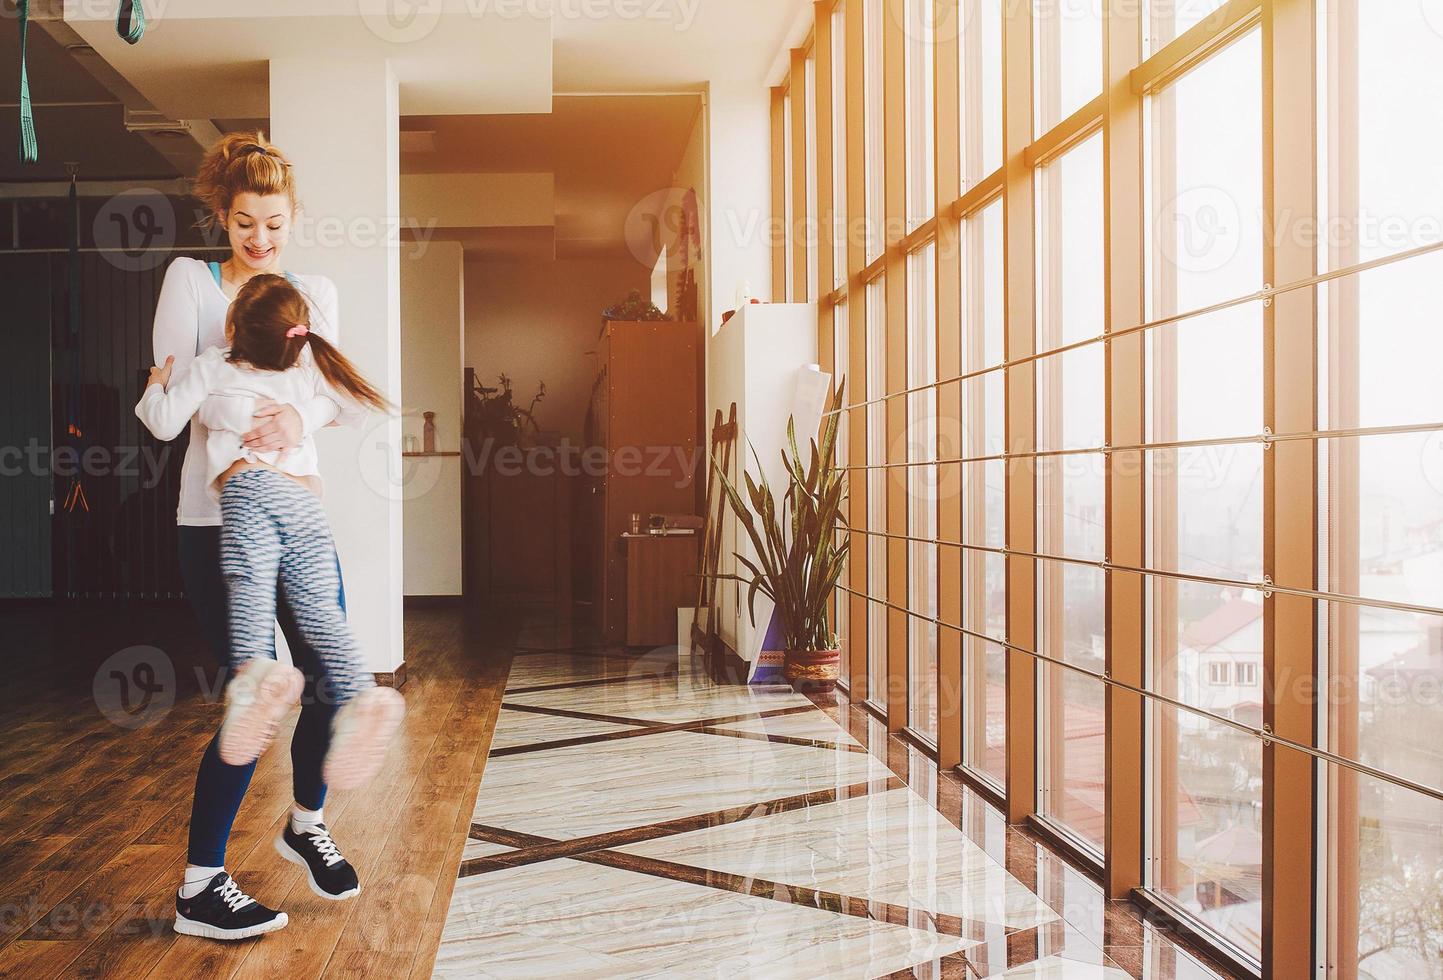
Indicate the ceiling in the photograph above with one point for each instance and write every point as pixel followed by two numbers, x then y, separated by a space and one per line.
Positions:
pixel 622 80
pixel 652 45
pixel 606 152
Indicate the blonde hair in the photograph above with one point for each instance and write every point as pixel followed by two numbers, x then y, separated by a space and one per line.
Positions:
pixel 237 164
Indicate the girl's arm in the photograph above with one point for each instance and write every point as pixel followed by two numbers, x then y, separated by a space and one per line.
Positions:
pixel 166 410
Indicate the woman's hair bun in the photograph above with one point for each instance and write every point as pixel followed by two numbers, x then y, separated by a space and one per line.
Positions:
pixel 237 164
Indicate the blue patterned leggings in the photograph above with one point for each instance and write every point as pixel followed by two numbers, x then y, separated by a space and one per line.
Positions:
pixel 274 534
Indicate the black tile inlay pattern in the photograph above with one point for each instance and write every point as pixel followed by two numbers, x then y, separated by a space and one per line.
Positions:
pixel 533 849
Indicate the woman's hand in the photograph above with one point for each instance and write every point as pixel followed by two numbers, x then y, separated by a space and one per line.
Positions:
pixel 161 375
pixel 278 428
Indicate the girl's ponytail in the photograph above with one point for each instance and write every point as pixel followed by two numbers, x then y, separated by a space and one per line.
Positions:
pixel 342 375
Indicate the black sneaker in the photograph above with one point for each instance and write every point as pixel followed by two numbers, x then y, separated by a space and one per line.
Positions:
pixel 331 876
pixel 223 911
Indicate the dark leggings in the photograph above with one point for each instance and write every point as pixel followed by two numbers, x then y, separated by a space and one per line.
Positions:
pixel 219 788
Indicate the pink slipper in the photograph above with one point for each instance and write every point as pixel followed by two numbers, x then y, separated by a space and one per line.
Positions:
pixel 257 698
pixel 360 734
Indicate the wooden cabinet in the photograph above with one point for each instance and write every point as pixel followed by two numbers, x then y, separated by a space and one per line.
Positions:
pixel 644 415
pixel 660 578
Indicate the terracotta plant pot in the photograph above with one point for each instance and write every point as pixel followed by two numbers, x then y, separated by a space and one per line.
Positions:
pixel 812 670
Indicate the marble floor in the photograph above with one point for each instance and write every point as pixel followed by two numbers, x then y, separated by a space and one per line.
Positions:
pixel 635 820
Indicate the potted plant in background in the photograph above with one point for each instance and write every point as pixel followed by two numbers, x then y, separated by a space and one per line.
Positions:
pixel 798 557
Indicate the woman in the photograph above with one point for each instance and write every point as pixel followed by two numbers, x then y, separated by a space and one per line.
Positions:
pixel 248 189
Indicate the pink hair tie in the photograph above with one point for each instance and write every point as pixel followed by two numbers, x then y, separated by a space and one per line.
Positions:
pixel 299 330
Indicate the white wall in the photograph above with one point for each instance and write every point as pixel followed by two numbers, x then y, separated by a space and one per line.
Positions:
pixel 432 329
pixel 738 193
pixel 538 321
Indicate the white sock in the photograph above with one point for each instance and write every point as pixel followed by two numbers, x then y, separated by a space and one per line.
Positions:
pixel 196 878
pixel 301 818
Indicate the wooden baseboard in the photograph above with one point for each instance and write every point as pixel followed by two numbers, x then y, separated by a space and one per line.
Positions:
pixel 395 678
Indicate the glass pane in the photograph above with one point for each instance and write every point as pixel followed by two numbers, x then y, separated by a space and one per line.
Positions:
pixel 1071 724
pixel 1205 187
pixel 981 84
pixel 790 237
pixel 1067 55
pixel 922 491
pixel 984 742
pixel 812 236
pixel 876 492
pixel 921 126
pixel 1205 647
pixel 1384 495
pixel 1070 247
pixel 1388 860
pixel 1205 511
pixel 1205 833
pixel 984 503
pixel 1072 506
pixel 1383 130
pixel 874 107
pixel 1071 399
pixel 1205 376
pixel 1369 318
pixel 1166 19
pixel 1385 688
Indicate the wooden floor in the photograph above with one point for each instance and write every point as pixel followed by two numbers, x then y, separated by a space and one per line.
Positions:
pixel 94 816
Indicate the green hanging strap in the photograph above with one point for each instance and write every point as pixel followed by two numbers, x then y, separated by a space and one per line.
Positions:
pixel 129 24
pixel 130 21
pixel 29 149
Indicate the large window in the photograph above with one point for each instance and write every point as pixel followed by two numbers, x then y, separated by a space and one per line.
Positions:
pixel 1205 382
pixel 1071 491
pixel 1382 491
pixel 922 491
pixel 1199 446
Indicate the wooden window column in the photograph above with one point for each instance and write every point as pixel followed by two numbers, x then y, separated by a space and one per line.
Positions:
pixel 1021 403
pixel 1126 404
pixel 1290 480
pixel 947 140
pixel 855 12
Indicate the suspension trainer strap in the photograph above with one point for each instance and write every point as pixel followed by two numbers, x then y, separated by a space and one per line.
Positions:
pixel 129 24
pixel 130 21
pixel 29 149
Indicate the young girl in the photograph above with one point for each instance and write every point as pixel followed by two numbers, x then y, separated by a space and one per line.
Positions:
pixel 273 528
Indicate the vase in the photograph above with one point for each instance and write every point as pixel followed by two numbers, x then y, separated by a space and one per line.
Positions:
pixel 428 433
pixel 812 670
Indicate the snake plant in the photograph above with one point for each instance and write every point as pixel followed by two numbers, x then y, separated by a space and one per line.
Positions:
pixel 798 557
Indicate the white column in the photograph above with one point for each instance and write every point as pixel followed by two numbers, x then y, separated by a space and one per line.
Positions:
pixel 338 122
pixel 738 194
